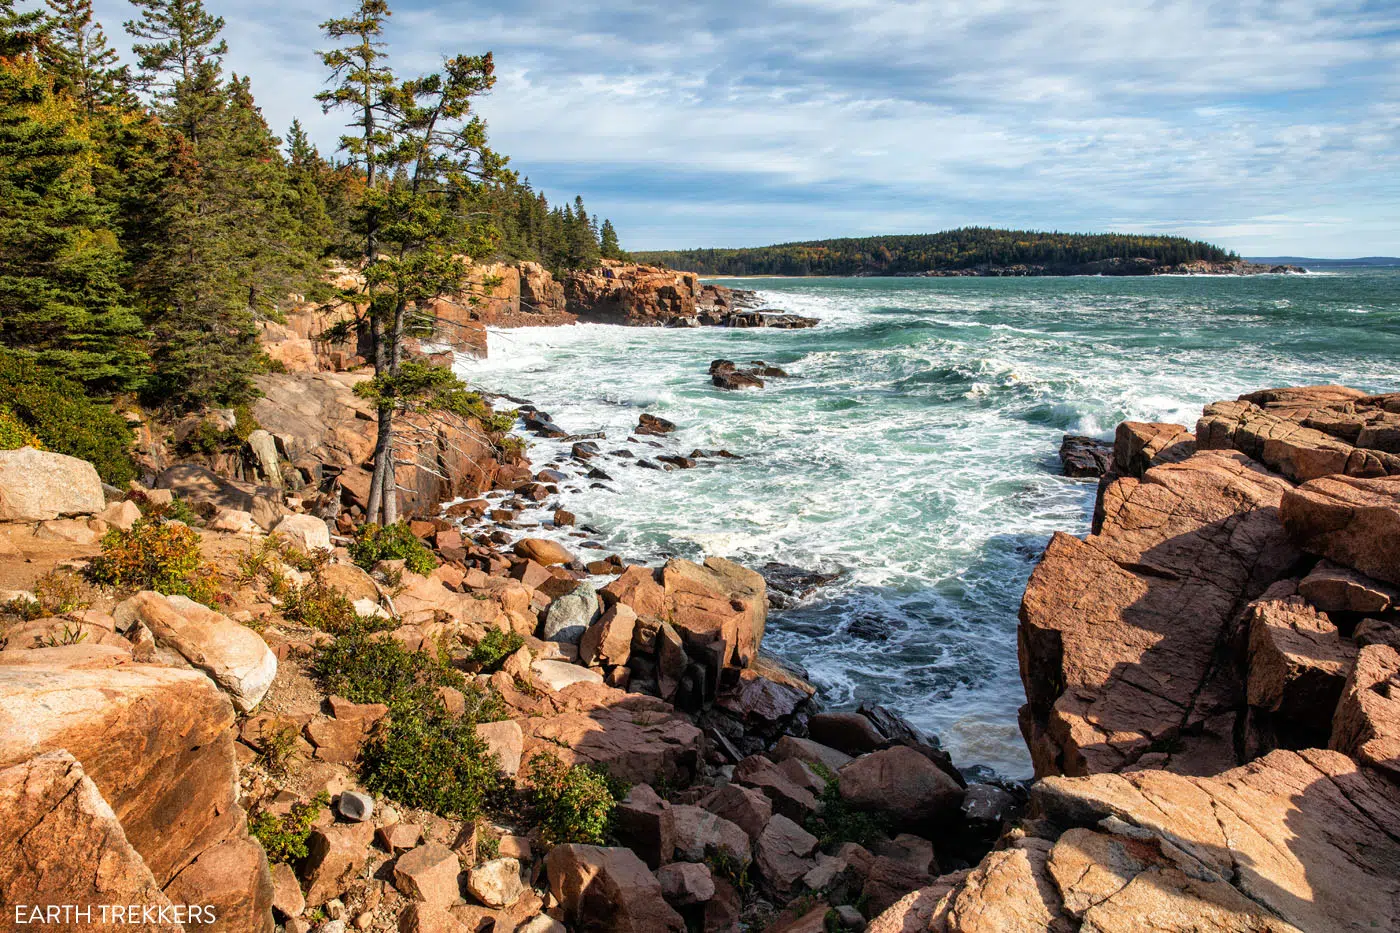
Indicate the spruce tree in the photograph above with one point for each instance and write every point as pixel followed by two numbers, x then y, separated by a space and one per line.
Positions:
pixel 20 32
pixel 608 245
pixel 62 302
pixel 180 62
pixel 76 52
pixel 229 248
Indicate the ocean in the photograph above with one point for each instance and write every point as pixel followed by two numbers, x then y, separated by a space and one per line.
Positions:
pixel 913 448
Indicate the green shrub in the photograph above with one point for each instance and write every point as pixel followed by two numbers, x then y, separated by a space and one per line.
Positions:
pixel 492 650
pixel 155 555
pixel 426 757
pixel 374 543
pixel 574 802
pixel 58 411
pixel 244 423
pixel 62 591
pixel 837 822
pixel 284 838
pixel 14 434
pixel 364 668
pixel 176 510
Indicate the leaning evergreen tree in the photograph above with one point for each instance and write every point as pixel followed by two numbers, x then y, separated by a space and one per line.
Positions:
pixel 424 158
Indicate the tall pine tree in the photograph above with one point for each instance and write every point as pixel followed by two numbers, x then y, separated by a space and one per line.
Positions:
pixel 229 248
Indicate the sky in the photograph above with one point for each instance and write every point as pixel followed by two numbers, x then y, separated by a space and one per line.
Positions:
pixel 1271 128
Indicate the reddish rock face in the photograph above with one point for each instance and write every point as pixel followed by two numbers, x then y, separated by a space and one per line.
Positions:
pixel 638 738
pixel 642 296
pixel 322 422
pixel 608 889
pixel 1307 837
pixel 1367 724
pixel 1139 446
pixel 1298 662
pixel 156 741
pixel 60 843
pixel 903 783
pixel 1306 433
pixel 1352 521
pixel 1119 633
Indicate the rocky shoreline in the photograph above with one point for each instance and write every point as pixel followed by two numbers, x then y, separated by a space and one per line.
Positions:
pixel 1211 680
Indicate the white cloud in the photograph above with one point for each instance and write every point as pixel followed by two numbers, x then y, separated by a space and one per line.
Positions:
pixel 721 122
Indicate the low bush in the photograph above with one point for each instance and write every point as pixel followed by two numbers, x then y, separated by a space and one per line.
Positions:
pixel 284 838
pixel 374 543
pixel 364 668
pixel 426 757
pixel 155 555
pixel 837 822
pixel 176 510
pixel 58 411
pixel 573 802
pixel 492 650
pixel 14 433
pixel 61 591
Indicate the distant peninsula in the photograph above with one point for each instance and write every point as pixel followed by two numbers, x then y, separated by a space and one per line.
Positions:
pixel 971 251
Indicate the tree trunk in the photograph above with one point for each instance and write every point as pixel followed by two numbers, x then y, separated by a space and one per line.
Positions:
pixel 383 459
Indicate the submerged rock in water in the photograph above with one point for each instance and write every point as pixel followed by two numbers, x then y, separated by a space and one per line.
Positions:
pixel 725 374
pixel 788 584
pixel 1085 456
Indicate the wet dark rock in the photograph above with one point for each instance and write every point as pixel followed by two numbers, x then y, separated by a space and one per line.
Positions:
pixel 651 424
pixel 1085 456
pixel 726 375
pixel 585 450
pixel 867 627
pixel 541 424
pixel 770 317
pixel 679 462
pixel 787 583
pixel 649 464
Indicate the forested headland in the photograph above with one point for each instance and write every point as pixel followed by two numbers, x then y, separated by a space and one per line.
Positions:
pixel 965 249
pixel 151 218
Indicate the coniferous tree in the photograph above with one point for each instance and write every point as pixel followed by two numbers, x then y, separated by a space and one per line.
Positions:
pixel 608 244
pixel 426 163
pixel 61 296
pixel 305 174
pixel 76 52
pixel 229 247
pixel 181 60
pixel 20 32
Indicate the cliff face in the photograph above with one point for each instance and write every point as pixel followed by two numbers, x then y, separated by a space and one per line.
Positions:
pixel 1192 630
pixel 1213 688
pixel 626 293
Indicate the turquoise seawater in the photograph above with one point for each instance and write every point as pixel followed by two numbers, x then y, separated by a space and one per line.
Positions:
pixel 914 448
